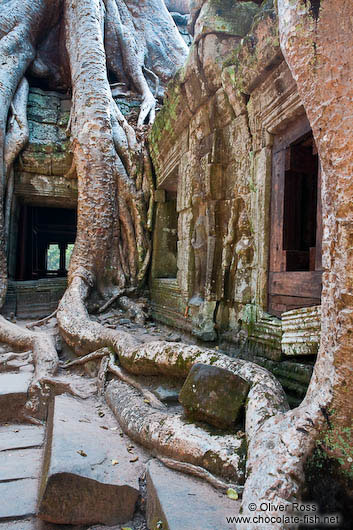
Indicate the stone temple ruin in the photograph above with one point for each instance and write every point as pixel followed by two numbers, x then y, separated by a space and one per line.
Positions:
pixel 236 267
pixel 226 266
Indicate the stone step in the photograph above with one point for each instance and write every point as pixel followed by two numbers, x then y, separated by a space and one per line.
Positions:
pixel 18 498
pixel 13 395
pixel 21 463
pixel 21 436
pixel 176 501
pixel 89 475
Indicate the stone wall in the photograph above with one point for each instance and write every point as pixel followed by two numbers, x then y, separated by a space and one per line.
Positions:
pixel 212 143
pixel 212 150
pixel 40 180
pixel 42 165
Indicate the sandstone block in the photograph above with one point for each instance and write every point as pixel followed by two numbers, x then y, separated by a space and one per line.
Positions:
pixel 28 524
pixel 176 501
pixel 13 395
pixel 213 394
pixel 18 498
pixel 20 464
pixel 20 436
pixel 214 18
pixel 88 477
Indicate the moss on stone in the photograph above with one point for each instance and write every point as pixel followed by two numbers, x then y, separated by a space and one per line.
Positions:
pixel 326 485
pixel 247 57
pixel 227 16
pixel 214 395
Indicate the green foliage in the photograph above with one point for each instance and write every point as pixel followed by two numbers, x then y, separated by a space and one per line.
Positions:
pixel 53 257
pixel 68 253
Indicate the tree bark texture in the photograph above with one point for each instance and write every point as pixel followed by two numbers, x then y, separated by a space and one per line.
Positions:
pixel 318 52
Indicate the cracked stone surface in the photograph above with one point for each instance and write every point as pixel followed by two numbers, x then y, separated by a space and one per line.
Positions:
pixel 20 463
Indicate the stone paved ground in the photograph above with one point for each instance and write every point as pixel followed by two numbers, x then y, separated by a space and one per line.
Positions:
pixel 174 501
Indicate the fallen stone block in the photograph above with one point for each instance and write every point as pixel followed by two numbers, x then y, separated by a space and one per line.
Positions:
pixel 214 395
pixel 13 395
pixel 88 476
pixel 176 501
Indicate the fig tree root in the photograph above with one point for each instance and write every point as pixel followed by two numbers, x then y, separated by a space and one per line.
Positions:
pixel 199 472
pixel 266 397
pixel 42 321
pixel 172 435
pixel 157 430
pixel 46 364
pixel 113 368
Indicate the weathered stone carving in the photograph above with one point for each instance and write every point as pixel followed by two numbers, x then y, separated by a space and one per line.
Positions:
pixel 243 260
pixel 238 256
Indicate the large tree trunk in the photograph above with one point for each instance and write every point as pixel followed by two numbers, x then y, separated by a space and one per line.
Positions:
pixel 112 244
pixel 318 52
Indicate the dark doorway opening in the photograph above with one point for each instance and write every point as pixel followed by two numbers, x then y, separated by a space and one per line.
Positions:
pixel 45 242
pixel 295 272
pixel 300 205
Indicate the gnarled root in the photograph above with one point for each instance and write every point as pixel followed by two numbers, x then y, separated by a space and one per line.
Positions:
pixel 45 359
pixel 157 430
pixel 123 376
pixel 276 456
pixel 265 399
pixel 42 321
pixel 173 436
pixel 81 333
pixel 107 364
pixel 17 131
pixel 199 472
pixel 133 308
pixel 46 363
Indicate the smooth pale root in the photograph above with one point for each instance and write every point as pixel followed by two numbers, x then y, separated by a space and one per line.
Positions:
pixel 265 399
pixel 171 435
pixel 174 436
